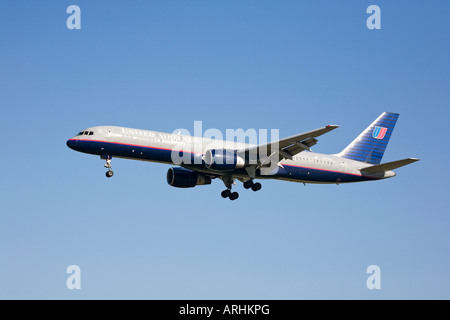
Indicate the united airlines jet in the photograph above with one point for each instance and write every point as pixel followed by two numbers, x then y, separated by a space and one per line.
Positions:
pixel 200 160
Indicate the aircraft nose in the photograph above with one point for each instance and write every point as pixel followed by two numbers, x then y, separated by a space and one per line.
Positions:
pixel 72 143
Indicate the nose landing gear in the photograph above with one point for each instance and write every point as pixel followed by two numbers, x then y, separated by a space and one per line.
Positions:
pixel 108 173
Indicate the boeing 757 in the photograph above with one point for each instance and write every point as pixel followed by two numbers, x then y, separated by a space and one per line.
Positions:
pixel 289 159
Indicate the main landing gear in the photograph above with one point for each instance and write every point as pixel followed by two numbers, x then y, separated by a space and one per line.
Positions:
pixel 108 173
pixel 228 194
pixel 229 181
pixel 249 184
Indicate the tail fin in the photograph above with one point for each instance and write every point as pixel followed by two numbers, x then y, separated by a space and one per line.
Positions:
pixel 370 145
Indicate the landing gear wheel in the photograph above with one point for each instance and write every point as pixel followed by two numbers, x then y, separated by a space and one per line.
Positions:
pixel 225 193
pixel 109 173
pixel 234 196
pixel 257 186
pixel 248 184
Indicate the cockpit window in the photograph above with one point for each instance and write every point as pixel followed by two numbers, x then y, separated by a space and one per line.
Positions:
pixel 86 133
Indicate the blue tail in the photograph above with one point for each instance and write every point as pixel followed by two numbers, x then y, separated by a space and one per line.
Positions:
pixel 370 145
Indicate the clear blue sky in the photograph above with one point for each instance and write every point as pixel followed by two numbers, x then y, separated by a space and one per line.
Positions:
pixel 161 65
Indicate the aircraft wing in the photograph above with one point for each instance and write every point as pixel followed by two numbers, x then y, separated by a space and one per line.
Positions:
pixel 288 147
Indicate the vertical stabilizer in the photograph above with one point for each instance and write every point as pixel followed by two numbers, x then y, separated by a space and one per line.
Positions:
pixel 370 145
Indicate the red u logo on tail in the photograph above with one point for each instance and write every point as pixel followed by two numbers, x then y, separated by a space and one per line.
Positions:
pixel 379 132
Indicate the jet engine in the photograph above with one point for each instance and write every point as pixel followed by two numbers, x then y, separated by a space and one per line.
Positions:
pixel 184 178
pixel 223 160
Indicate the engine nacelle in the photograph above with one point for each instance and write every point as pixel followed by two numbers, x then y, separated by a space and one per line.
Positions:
pixel 184 178
pixel 223 160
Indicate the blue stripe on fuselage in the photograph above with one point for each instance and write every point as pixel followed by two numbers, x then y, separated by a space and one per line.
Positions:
pixel 289 172
pixel 300 173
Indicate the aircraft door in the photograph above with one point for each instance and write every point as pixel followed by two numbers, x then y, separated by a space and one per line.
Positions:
pixel 342 169
pixel 343 165
pixel 108 134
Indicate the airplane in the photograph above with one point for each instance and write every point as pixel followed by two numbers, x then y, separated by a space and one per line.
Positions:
pixel 289 159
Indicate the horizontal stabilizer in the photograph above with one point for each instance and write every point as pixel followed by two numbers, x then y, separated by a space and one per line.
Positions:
pixel 388 166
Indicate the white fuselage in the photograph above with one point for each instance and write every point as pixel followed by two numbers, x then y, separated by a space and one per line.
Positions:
pixel 145 145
